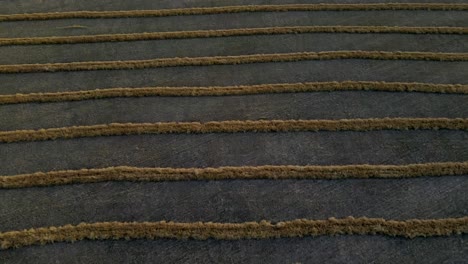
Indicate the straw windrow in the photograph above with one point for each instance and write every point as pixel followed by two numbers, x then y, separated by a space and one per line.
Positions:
pixel 231 60
pixel 229 33
pixel 234 90
pixel 236 9
pixel 270 172
pixel 116 129
pixel 234 231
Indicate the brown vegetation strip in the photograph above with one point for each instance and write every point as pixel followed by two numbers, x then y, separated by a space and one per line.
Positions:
pixel 234 231
pixel 229 33
pixel 116 129
pixel 234 90
pixel 124 173
pixel 235 9
pixel 231 60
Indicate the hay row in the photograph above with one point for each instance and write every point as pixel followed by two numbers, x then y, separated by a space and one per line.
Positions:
pixel 235 9
pixel 117 129
pixel 234 231
pixel 233 90
pixel 229 33
pixel 270 172
pixel 231 60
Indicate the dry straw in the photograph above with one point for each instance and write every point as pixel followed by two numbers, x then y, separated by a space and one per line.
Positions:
pixel 229 33
pixel 231 60
pixel 234 90
pixel 116 129
pixel 233 231
pixel 235 173
pixel 236 9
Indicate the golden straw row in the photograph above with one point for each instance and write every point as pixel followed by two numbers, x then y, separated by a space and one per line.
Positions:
pixel 117 129
pixel 231 60
pixel 271 172
pixel 234 90
pixel 230 33
pixel 236 9
pixel 233 231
